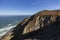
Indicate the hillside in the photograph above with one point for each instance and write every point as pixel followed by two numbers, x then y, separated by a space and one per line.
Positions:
pixel 44 25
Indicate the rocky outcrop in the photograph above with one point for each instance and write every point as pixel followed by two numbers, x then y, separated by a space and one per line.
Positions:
pixel 45 25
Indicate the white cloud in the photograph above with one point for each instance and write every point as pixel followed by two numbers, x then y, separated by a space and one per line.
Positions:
pixel 14 13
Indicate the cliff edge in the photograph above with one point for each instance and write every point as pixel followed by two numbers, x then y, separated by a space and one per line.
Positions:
pixel 45 25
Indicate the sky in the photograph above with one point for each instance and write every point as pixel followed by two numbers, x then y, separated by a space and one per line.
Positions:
pixel 27 7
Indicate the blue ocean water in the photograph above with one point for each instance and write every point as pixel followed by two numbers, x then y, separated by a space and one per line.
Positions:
pixel 7 22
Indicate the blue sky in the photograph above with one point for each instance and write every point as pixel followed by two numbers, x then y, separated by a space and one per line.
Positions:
pixel 27 7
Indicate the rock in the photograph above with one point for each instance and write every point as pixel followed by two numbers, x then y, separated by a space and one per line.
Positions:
pixel 45 25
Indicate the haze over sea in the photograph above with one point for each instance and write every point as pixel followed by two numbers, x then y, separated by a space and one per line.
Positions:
pixel 8 22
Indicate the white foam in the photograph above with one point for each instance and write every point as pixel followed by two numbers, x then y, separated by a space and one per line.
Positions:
pixel 6 29
pixel 9 24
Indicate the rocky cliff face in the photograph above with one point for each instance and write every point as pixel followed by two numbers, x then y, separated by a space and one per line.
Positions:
pixel 44 25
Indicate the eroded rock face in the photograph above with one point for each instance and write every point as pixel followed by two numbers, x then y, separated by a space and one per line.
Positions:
pixel 44 25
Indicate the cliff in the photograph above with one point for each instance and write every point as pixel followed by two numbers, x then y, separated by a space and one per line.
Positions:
pixel 45 25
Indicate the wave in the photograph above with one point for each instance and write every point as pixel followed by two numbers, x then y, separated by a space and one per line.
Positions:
pixel 9 24
pixel 6 29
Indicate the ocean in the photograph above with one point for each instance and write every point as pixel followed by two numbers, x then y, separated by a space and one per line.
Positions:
pixel 8 22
